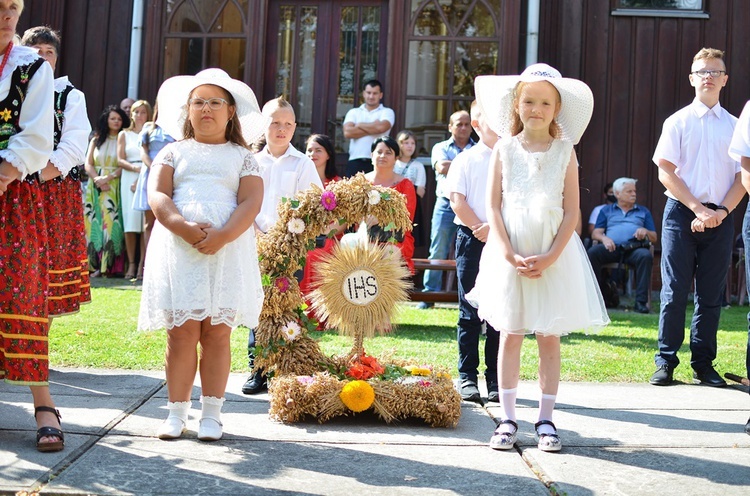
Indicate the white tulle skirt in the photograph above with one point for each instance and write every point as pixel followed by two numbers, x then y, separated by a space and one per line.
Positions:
pixel 565 299
pixel 182 284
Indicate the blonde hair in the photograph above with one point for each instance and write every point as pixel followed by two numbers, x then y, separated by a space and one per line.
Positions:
pixel 516 126
pixel 138 104
pixel 272 106
pixel 710 53
pixel 19 3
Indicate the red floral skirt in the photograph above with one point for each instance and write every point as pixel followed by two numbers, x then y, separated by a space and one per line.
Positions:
pixel 69 285
pixel 24 323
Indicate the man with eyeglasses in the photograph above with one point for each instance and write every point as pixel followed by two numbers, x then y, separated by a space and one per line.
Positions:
pixel 703 186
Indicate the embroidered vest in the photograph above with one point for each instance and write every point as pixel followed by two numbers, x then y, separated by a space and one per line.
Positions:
pixel 61 101
pixel 10 107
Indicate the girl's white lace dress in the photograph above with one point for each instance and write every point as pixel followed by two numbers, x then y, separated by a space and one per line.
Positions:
pixel 566 298
pixel 182 284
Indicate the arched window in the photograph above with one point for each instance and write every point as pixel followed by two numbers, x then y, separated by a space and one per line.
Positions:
pixel 205 33
pixel 450 42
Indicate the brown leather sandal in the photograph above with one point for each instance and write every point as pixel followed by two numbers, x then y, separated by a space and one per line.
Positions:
pixel 49 432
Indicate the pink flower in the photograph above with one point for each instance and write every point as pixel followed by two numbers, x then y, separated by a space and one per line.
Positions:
pixel 281 284
pixel 305 379
pixel 328 199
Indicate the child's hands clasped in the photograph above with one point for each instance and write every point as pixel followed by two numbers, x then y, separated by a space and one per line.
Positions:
pixel 533 266
pixel 212 242
pixel 194 232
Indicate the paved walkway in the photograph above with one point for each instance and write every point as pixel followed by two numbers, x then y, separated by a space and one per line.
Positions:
pixel 620 439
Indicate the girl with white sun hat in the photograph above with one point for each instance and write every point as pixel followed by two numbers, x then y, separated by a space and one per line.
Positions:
pixel 203 278
pixel 542 283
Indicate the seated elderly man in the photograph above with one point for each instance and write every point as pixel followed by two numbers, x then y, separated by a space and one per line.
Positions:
pixel 623 231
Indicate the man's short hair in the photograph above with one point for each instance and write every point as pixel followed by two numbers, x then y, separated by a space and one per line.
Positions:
pixel 620 183
pixel 272 106
pixel 709 53
pixel 372 83
pixel 456 115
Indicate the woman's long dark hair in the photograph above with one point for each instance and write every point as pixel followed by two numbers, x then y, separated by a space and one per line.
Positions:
pixel 102 125
pixel 327 144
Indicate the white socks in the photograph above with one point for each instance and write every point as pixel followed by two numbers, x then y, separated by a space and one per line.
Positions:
pixel 210 428
pixel 546 407
pixel 174 426
pixel 508 403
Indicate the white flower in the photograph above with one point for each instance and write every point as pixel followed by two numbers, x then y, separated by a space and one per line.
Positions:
pixel 373 197
pixel 296 226
pixel 291 331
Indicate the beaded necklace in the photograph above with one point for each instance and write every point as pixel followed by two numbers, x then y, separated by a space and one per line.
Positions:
pixel 5 57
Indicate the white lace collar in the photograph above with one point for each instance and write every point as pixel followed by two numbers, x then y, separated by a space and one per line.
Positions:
pixel 61 83
pixel 20 55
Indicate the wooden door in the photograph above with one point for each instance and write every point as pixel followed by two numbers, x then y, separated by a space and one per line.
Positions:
pixel 318 55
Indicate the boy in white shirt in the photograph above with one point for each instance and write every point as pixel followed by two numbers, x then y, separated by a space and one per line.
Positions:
pixel 466 185
pixel 285 171
pixel 703 187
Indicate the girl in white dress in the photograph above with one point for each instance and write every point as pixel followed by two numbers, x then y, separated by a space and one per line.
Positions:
pixel 203 279
pixel 542 281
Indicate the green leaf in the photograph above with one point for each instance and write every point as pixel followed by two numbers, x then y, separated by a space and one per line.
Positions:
pixel 265 280
pixel 295 204
pixel 390 226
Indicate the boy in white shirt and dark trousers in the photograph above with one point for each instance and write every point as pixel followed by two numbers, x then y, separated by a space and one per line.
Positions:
pixel 285 171
pixel 466 186
pixel 703 187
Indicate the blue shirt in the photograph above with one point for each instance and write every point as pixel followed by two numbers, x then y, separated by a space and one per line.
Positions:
pixel 445 150
pixel 620 226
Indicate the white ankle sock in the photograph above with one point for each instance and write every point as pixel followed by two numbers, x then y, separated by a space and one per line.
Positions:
pixel 179 409
pixel 211 407
pixel 546 407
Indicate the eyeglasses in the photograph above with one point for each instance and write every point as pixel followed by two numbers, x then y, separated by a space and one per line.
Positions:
pixel 213 103
pixel 713 74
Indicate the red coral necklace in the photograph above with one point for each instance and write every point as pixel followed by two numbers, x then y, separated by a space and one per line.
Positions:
pixel 5 57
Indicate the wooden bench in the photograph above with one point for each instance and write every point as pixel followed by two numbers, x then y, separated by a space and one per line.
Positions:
pixel 422 264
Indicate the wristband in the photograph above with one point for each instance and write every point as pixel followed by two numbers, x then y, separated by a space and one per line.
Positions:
pixel 722 207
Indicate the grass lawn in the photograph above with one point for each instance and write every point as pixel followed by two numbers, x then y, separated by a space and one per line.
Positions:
pixel 104 335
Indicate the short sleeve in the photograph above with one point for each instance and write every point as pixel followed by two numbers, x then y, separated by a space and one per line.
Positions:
pixel 421 180
pixel 389 115
pixel 165 157
pixel 250 166
pixel 350 116
pixel 740 145
pixel 601 220
pixel 648 220
pixel 668 147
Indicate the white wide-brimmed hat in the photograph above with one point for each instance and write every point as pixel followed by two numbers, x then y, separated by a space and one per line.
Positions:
pixel 175 91
pixel 495 98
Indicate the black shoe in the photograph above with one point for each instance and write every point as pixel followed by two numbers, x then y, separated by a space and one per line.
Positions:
pixel 469 391
pixel 747 427
pixel 493 394
pixel 641 307
pixel 708 377
pixel 662 376
pixel 255 384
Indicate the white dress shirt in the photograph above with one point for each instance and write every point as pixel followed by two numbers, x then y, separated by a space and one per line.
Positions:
pixel 696 140
pixel 468 176
pixel 74 139
pixel 283 177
